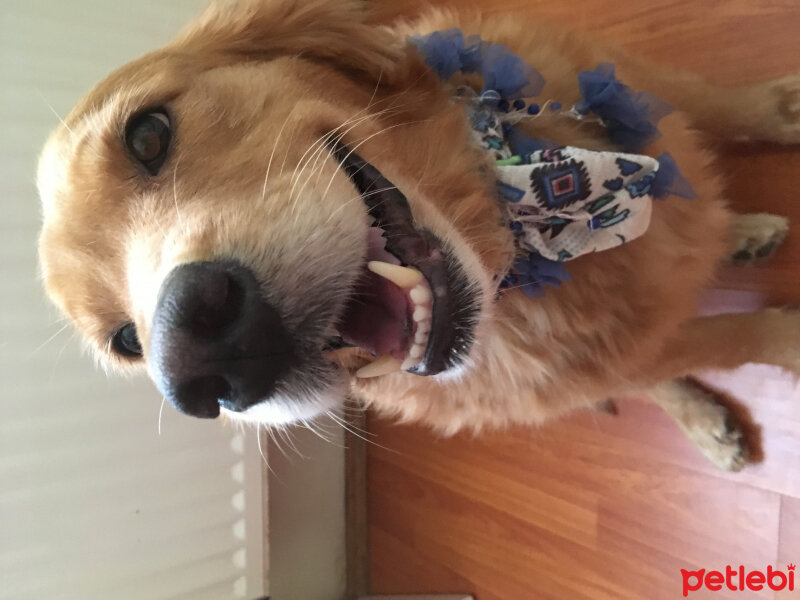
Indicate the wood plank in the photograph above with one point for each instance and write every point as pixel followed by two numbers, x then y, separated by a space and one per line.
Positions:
pixel 447 501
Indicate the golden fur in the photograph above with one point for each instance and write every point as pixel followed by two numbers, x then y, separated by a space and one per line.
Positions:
pixel 254 86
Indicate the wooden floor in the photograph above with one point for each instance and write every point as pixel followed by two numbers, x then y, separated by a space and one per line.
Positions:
pixel 613 507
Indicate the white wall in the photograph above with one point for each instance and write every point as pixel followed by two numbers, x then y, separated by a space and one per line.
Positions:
pixel 87 483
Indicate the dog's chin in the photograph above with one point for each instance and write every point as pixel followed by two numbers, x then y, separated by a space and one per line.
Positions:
pixel 285 409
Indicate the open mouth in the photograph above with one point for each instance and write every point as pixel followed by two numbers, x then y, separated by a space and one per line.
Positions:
pixel 413 307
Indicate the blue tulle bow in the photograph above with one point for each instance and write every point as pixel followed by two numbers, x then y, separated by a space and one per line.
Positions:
pixel 509 75
pixel 669 180
pixel 442 51
pixel 629 116
pixel 532 272
pixel 448 52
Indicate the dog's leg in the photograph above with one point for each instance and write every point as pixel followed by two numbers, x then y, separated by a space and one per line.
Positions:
pixel 757 235
pixel 708 424
pixel 770 336
pixel 768 111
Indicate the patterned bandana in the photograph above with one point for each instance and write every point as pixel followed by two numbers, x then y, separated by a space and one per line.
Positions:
pixel 565 202
pixel 562 202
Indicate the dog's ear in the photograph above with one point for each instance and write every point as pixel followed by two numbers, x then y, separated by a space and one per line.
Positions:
pixel 333 31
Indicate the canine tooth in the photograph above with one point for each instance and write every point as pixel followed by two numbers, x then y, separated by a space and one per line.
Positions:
pixel 421 313
pixel 424 326
pixel 381 366
pixel 403 277
pixel 416 351
pixel 420 294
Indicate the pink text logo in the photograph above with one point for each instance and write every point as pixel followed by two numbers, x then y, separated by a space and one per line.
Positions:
pixel 738 579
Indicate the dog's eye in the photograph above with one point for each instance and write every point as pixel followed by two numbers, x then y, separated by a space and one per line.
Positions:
pixel 147 137
pixel 126 342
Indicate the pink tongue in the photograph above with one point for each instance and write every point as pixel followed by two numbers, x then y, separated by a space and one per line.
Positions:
pixel 376 319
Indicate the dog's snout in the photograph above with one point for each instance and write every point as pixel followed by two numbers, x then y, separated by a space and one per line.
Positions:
pixel 215 341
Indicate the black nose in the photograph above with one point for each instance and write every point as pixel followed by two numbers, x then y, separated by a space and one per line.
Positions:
pixel 215 341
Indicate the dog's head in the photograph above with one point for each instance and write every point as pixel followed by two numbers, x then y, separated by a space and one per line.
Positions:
pixel 281 182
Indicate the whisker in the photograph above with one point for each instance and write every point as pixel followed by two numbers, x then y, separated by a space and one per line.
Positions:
pixel 175 196
pixel 272 154
pixel 48 340
pixel 313 430
pixel 344 422
pixel 261 452
pixel 353 121
pixel 286 432
pixel 160 413
pixel 359 197
pixel 277 444
pixel 286 154
pixel 53 110
pixel 362 142
pixel 323 142
pixel 61 355
pixel 347 428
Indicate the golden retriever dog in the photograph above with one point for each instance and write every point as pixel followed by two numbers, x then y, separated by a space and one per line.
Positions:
pixel 211 209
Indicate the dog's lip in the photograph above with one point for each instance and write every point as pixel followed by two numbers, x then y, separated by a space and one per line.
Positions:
pixel 418 248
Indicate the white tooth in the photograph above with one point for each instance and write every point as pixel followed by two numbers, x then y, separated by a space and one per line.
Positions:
pixel 416 351
pixel 403 277
pixel 421 313
pixel 380 366
pixel 424 326
pixel 420 294
pixel 421 337
pixel 408 363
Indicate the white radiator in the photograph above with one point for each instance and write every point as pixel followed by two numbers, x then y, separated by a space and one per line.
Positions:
pixel 94 503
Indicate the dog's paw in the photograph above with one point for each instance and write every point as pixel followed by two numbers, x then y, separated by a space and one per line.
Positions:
pixel 788 92
pixel 718 435
pixel 777 106
pixel 757 236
